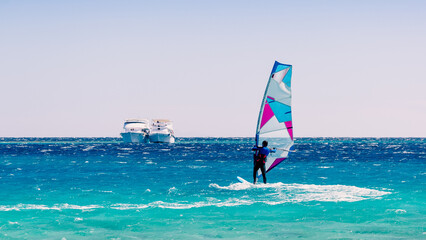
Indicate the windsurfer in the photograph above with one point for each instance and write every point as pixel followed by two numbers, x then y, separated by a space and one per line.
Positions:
pixel 260 159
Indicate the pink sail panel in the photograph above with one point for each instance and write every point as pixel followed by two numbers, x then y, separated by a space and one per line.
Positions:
pixel 275 163
pixel 289 127
pixel 267 115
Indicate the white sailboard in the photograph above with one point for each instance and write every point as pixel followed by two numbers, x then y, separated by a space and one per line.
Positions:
pixel 242 180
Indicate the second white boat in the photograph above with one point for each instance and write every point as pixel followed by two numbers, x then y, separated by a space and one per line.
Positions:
pixel 161 131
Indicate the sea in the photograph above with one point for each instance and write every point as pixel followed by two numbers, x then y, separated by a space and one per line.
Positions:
pixel 102 188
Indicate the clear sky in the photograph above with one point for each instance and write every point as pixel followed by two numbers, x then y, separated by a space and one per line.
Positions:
pixel 80 68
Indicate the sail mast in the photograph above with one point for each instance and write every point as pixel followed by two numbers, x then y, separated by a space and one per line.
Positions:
pixel 262 105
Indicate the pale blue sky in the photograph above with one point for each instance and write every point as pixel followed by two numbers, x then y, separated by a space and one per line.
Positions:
pixel 79 68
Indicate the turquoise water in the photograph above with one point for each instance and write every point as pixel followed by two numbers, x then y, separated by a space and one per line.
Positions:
pixel 100 188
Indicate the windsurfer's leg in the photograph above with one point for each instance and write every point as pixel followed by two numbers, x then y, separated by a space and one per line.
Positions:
pixel 256 167
pixel 262 168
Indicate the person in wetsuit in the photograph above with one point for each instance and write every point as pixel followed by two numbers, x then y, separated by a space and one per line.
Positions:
pixel 260 160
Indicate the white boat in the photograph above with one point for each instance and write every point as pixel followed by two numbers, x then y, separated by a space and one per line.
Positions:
pixel 161 131
pixel 136 131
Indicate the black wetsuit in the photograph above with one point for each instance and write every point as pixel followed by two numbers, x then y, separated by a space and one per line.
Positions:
pixel 259 162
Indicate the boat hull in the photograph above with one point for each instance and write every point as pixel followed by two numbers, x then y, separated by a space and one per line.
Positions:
pixel 130 137
pixel 161 138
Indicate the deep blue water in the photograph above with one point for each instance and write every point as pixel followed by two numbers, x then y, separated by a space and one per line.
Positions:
pixel 101 188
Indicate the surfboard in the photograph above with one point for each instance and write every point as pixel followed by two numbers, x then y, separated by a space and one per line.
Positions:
pixel 242 180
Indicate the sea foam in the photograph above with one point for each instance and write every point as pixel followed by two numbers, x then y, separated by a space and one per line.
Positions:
pixel 309 192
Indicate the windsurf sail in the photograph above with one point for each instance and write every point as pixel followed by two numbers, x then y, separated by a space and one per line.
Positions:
pixel 275 120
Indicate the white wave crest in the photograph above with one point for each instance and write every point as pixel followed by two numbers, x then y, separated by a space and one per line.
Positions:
pixel 306 192
pixel 212 202
pixel 173 190
pixel 58 207
pixel 88 148
pixel 245 185
pixel 270 194
pixel 397 211
pixel 121 206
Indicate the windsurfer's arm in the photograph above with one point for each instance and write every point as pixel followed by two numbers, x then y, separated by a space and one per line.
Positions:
pixel 273 150
pixel 286 150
